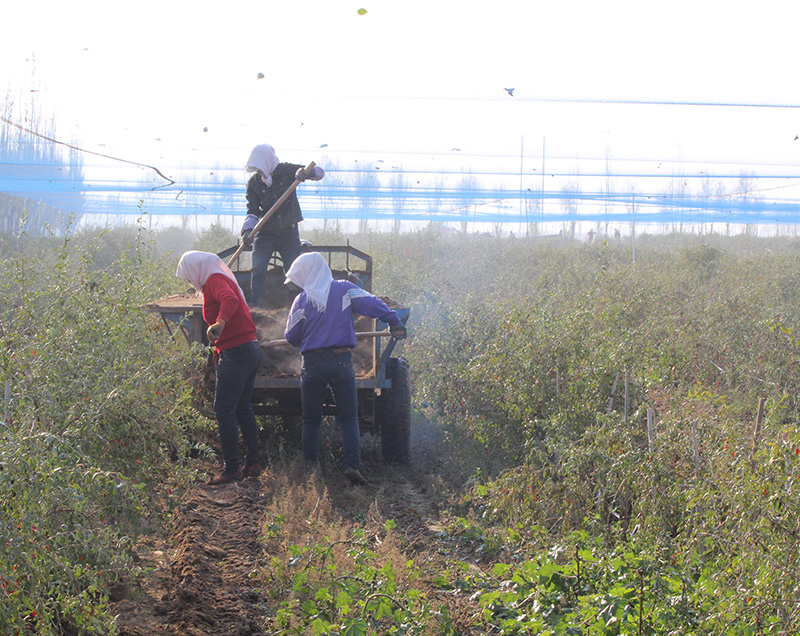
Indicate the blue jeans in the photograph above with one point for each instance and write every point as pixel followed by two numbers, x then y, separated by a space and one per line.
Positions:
pixel 236 374
pixel 285 241
pixel 320 370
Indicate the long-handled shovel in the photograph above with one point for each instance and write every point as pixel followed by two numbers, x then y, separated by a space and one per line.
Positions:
pixel 269 213
pixel 359 334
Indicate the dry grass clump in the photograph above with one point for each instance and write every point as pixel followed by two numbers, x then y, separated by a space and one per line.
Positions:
pixel 302 515
pixel 301 506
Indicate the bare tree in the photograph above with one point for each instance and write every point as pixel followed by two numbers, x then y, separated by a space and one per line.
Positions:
pixel 399 187
pixel 569 198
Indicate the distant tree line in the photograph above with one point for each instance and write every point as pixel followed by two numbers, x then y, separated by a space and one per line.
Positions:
pixel 28 152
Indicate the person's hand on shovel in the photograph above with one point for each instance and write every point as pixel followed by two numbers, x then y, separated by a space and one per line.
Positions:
pixel 398 332
pixel 215 331
pixel 250 222
pixel 211 361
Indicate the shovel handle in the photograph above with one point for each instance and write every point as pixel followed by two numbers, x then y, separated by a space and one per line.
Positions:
pixel 271 211
pixel 269 344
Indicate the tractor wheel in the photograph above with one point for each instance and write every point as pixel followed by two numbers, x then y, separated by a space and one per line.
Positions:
pixel 393 411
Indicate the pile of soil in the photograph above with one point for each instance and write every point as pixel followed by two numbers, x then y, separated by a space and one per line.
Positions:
pixel 284 361
pixel 278 362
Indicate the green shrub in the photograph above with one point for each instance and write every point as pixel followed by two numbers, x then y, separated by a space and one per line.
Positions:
pixel 515 348
pixel 99 401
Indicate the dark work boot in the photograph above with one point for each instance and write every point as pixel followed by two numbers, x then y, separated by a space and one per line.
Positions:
pixel 355 477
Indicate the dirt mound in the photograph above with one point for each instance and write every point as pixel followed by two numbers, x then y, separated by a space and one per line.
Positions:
pixel 285 361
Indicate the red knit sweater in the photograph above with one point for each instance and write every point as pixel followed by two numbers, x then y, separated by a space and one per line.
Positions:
pixel 223 301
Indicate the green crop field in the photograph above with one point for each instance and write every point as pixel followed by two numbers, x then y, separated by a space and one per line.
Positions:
pixel 600 446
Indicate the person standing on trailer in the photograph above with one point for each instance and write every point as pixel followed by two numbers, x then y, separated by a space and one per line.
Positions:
pixel 280 233
pixel 321 324
pixel 233 334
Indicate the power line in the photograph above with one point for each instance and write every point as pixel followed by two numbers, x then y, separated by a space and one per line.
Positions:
pixel 89 152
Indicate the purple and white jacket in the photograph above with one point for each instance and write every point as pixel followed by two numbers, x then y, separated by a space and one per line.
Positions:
pixel 307 328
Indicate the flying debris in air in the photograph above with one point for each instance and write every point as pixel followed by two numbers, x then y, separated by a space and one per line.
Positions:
pixel 205 128
pixel 796 137
pixel 260 76
pixel 362 12
pixel 323 145
pixel 510 91
pixel 456 150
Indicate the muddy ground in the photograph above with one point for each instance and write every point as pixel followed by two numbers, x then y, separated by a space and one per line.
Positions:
pixel 204 572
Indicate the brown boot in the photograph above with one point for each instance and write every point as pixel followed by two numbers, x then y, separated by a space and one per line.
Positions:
pixel 226 477
pixel 252 470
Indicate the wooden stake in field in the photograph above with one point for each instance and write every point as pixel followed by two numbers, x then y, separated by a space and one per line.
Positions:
pixel 759 419
pixel 613 391
pixel 651 434
pixel 627 397
pixel 6 402
pixel 696 450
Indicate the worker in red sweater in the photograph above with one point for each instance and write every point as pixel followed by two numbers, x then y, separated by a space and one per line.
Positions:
pixel 233 334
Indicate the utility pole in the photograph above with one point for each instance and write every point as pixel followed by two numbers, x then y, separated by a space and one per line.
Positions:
pixel 542 194
pixel 522 200
pixel 633 227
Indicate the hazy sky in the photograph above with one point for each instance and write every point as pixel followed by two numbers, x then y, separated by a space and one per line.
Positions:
pixel 177 83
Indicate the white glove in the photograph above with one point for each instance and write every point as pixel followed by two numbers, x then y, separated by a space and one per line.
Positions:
pixel 316 174
pixel 250 221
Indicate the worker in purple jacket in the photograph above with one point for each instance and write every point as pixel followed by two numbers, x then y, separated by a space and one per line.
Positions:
pixel 321 323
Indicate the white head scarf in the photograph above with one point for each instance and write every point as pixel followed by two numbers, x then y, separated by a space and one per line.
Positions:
pixel 263 158
pixel 311 273
pixel 196 267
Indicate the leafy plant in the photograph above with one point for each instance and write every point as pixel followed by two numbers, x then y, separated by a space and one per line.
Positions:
pixel 99 402
pixel 349 592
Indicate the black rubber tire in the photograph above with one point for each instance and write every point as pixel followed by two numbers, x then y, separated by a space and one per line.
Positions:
pixel 393 412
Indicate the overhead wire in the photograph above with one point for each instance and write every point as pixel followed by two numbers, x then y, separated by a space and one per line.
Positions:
pixel 83 150
pixel 355 193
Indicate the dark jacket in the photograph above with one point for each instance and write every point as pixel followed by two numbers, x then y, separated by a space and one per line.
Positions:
pixel 261 198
